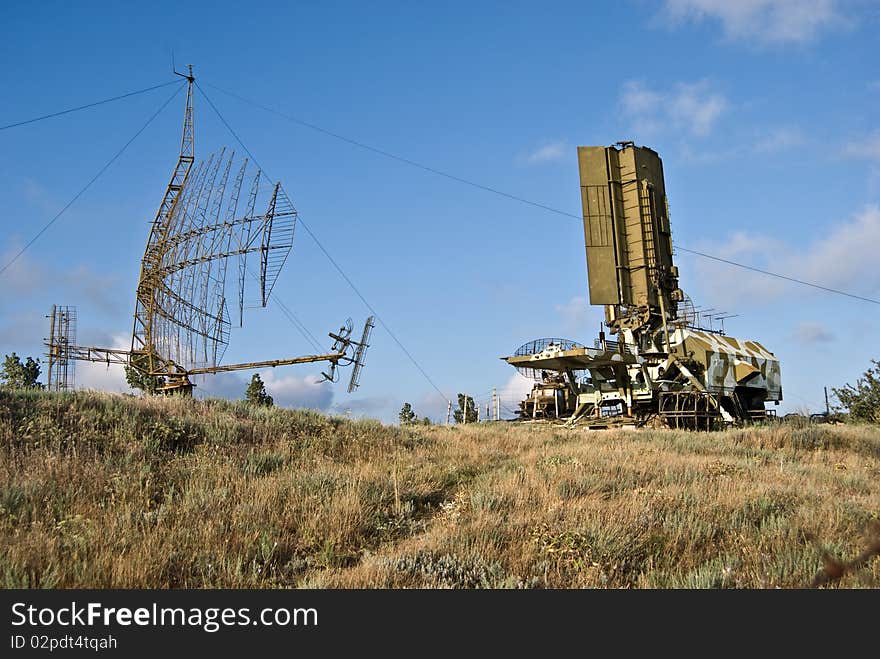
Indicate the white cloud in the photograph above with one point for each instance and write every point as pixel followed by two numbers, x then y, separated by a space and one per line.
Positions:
pixel 759 21
pixel 811 332
pixel 366 406
pixel 514 390
pixel 298 391
pixel 779 139
pixel 38 196
pixel 22 276
pixel 547 152
pixel 738 288
pixel 726 288
pixel 288 387
pixel 104 377
pixel 844 258
pixel 575 313
pixel 740 244
pixel 868 148
pixel 638 99
pixel 697 106
pixel 688 107
pixel 286 390
pixel 432 405
pixel 220 385
pixel 16 328
pixel 27 277
pixel 765 141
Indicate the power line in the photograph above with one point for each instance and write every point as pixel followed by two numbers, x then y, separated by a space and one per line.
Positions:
pixel 90 183
pixel 286 311
pixel 394 156
pixel 507 195
pixel 777 275
pixel 297 323
pixel 89 105
pixel 375 313
pixel 332 260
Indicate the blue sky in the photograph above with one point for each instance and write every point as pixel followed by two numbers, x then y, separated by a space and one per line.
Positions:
pixel 765 113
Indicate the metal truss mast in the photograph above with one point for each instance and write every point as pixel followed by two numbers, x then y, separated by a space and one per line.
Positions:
pixel 181 318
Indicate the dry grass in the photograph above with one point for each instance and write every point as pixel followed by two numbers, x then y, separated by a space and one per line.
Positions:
pixel 107 491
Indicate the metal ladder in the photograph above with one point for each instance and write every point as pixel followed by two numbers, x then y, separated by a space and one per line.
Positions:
pixel 648 227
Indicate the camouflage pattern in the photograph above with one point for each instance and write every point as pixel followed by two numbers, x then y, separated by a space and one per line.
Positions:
pixel 730 362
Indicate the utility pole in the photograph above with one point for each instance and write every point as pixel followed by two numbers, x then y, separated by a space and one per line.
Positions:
pixel 51 350
pixel 827 407
pixel 464 407
pixel 448 411
pixel 494 404
pixel 488 418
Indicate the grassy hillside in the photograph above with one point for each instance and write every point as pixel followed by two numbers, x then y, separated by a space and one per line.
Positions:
pixel 113 491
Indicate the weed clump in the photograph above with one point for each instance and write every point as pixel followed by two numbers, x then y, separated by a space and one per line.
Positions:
pixel 450 571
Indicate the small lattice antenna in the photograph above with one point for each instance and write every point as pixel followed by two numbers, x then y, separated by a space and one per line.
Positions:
pixel 360 353
pixel 60 375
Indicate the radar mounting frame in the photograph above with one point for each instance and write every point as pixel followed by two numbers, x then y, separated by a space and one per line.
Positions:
pixel 181 319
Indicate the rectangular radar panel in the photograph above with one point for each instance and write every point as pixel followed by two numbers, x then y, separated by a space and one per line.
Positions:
pixel 626 224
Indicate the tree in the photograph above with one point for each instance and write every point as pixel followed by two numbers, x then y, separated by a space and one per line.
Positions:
pixel 16 375
pixel 862 400
pixel 256 392
pixel 147 383
pixel 467 411
pixel 407 416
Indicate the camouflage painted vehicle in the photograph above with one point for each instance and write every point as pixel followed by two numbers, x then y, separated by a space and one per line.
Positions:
pixel 663 365
pixel 551 398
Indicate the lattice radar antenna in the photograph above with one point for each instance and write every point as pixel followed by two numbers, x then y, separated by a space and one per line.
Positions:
pixel 539 345
pixel 213 211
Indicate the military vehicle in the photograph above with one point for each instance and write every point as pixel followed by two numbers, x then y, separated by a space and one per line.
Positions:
pixel 662 367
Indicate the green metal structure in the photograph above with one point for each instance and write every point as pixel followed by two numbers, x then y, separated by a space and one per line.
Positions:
pixel 663 365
